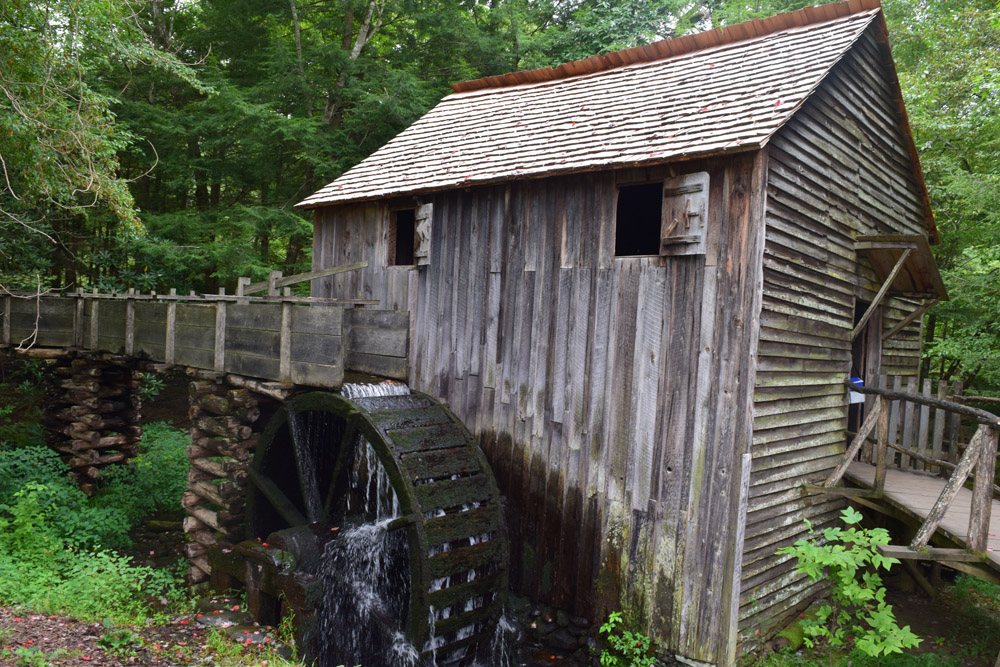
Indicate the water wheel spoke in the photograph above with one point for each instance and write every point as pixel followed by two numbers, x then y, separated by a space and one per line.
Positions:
pixel 345 454
pixel 305 464
pixel 279 501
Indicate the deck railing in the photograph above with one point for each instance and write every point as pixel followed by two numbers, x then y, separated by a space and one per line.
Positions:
pixel 905 437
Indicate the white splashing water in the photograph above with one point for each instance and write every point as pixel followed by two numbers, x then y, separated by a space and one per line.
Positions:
pixel 374 389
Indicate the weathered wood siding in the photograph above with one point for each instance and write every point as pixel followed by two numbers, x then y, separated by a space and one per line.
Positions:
pixel 836 170
pixel 611 395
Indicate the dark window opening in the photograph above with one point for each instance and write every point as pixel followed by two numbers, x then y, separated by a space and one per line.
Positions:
pixel 637 220
pixel 402 225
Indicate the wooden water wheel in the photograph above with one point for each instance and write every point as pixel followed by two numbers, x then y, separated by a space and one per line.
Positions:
pixel 323 465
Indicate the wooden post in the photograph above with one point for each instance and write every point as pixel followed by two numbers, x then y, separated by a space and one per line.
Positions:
pixel 79 306
pixel 923 427
pixel 285 344
pixel 955 482
pixel 169 343
pixel 220 333
pixel 939 418
pixel 907 411
pixel 982 490
pixel 94 317
pixel 882 451
pixel 272 283
pixel 241 285
pixel 130 324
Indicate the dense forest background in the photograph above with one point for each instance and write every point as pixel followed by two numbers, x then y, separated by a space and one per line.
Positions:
pixel 164 143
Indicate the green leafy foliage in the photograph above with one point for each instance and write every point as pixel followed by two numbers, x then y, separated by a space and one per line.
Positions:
pixel 54 540
pixel 628 648
pixel 858 612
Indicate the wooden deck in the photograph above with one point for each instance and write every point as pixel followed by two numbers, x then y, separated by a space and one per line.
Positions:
pixel 915 493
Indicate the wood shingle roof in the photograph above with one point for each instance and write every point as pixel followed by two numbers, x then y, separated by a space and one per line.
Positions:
pixel 730 96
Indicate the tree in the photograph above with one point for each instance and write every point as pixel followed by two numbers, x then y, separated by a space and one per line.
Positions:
pixel 58 137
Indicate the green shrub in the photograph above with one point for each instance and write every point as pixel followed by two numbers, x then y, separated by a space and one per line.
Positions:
pixel 40 570
pixel 859 613
pixel 629 649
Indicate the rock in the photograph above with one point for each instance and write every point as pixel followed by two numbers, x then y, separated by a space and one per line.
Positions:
pixel 562 619
pixel 562 640
pixel 579 621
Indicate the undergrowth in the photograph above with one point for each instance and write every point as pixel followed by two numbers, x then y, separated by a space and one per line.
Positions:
pixel 57 545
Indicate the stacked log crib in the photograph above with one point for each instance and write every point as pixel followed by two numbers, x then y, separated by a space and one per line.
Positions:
pixel 223 442
pixel 92 413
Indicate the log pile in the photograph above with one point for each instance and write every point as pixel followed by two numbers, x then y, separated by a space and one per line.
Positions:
pixel 92 414
pixel 222 444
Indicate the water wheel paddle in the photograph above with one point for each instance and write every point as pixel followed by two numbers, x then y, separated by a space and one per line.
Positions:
pixel 379 522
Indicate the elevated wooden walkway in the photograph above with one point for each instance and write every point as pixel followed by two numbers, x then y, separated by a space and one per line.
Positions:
pixel 900 471
pixel 914 493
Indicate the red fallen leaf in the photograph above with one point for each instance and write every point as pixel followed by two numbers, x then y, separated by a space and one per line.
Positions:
pixel 263 544
pixel 184 622
pixel 196 616
pixel 236 607
pixel 246 632
pixel 778 103
pixel 704 109
pixel 16 618
pixel 84 657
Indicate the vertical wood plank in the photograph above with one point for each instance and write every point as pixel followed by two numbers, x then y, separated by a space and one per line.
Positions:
pixel 79 310
pixel 170 334
pixel 923 429
pixel 285 343
pixel 937 446
pixel 908 424
pixel 220 336
pixel 954 426
pixel 130 324
pixel 94 320
pixel 881 453
pixel 895 416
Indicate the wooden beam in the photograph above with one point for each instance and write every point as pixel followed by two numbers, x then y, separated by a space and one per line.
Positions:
pixel 169 342
pixel 919 577
pixel 882 292
pixel 130 324
pixel 278 281
pixel 847 491
pixel 955 482
pixel 909 318
pixel 882 451
pixel 852 451
pixel 285 344
pixel 929 553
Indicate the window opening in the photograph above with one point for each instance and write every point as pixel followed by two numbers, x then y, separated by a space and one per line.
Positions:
pixel 638 220
pixel 401 237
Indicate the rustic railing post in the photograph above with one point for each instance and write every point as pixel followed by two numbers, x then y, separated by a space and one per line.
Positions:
pixel 272 283
pixel 130 323
pixel 954 483
pixel 982 490
pixel 169 342
pixel 954 426
pixel 882 450
pixel 220 332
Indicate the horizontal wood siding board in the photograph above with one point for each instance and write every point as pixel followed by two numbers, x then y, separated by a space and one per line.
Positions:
pixel 317 375
pixel 194 356
pixel 320 349
pixel 378 341
pixel 259 342
pixel 390 367
pixel 322 320
pixel 194 337
pixel 256 317
pixel 189 314
pixel 252 365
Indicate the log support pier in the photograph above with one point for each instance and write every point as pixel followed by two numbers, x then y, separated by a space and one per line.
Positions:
pixel 223 440
pixel 92 413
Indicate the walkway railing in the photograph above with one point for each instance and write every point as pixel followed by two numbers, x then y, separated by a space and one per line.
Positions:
pixel 903 437
pixel 277 337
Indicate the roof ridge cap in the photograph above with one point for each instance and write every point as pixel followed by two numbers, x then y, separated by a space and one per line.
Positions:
pixel 675 46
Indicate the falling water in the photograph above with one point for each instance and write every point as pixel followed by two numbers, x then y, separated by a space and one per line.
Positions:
pixel 305 459
pixel 374 389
